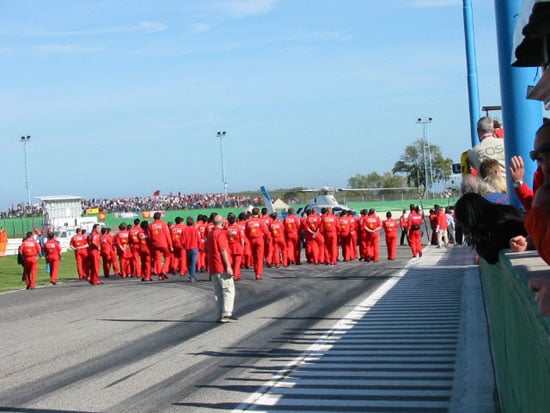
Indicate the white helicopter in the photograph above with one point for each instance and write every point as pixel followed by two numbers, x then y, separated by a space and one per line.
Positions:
pixel 324 197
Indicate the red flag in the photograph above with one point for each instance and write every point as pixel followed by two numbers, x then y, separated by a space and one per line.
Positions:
pixel 156 193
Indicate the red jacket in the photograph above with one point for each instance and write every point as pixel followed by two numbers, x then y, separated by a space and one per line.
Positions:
pixel 160 234
pixel 215 243
pixel 255 228
pixel 330 224
pixel 390 227
pixel 52 249
pixel 29 248
pixel 191 238
pixel 292 225
pixel 235 237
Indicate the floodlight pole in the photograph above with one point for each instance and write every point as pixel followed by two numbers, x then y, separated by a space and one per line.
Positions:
pixel 221 135
pixel 427 154
pixel 25 140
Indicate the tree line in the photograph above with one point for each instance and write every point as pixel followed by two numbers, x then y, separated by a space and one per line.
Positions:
pixel 420 165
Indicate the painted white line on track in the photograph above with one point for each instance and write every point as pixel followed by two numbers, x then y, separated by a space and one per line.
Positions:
pixel 264 395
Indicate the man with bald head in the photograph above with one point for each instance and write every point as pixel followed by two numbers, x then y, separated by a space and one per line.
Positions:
pixel 220 270
pixel 489 146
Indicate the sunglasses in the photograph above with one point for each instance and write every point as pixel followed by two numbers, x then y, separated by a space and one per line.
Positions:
pixel 536 155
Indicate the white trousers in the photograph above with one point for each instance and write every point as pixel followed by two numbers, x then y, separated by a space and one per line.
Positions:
pixel 224 293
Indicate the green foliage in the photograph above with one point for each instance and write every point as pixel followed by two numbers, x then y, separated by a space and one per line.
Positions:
pixel 422 157
pixel 11 272
pixel 375 180
pixel 372 180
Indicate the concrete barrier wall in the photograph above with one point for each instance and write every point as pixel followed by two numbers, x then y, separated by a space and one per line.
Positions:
pixel 14 243
pixel 520 337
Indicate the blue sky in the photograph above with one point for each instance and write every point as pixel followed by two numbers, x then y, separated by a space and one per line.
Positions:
pixel 122 98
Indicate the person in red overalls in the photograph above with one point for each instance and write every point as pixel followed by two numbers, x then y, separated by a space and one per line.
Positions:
pixel 390 231
pixel 179 259
pixel 432 217
pixel 94 255
pixel 354 223
pixel 362 235
pixel 312 225
pixel 114 257
pixel 145 251
pixel 52 250
pixel 256 232
pixel 133 241
pixel 247 251
pixel 330 227
pixel 302 233
pixel 373 227
pixel 415 221
pixel 278 242
pixel 268 248
pixel 106 241
pixel 122 244
pixel 344 235
pixel 161 242
pixel 30 250
pixel 201 258
pixel 79 244
pixel 292 235
pixel 235 237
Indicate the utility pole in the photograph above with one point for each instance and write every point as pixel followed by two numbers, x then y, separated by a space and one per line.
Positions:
pixel 427 154
pixel 25 140
pixel 221 135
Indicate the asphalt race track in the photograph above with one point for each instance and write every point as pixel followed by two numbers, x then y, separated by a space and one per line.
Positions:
pixel 128 346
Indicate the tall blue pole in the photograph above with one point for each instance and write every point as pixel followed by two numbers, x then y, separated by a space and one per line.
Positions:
pixel 473 87
pixel 521 117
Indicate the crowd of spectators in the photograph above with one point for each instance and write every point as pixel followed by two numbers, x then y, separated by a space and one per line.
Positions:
pixel 171 202
pixel 148 203
pixel 22 210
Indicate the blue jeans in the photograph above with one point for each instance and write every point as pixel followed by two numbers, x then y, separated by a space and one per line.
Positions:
pixel 192 261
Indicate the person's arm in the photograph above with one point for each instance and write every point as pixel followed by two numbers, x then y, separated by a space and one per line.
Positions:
pixel 519 243
pixel 226 262
pixel 517 174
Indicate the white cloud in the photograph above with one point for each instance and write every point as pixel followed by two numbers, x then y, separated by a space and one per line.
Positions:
pixel 244 8
pixel 150 27
pixel 435 3
pixel 66 48
pixel 144 27
pixel 200 27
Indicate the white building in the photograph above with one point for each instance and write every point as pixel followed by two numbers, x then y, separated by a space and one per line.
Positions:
pixel 63 214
